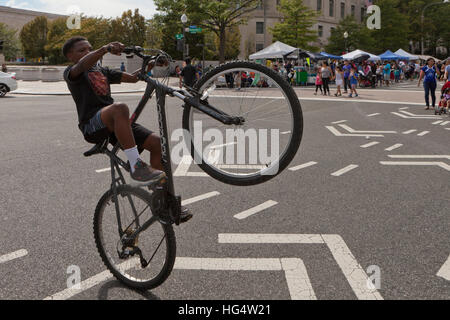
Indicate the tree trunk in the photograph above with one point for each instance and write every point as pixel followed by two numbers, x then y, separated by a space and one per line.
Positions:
pixel 222 38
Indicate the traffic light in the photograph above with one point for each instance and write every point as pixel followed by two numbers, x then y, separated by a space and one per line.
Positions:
pixel 1 45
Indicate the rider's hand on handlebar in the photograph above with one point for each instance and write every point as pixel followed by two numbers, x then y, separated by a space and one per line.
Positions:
pixel 116 48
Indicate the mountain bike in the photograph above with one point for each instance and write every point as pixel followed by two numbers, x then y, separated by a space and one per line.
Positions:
pixel 133 227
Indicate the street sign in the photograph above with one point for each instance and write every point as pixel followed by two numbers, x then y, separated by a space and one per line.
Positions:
pixel 179 36
pixel 194 29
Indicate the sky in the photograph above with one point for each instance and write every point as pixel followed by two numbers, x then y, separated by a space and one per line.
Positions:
pixel 105 8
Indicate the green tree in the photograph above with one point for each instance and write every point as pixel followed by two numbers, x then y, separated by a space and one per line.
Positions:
pixel 33 37
pixel 295 29
pixel 394 27
pixel 359 37
pixel 11 46
pixel 55 40
pixel 130 29
pixel 232 43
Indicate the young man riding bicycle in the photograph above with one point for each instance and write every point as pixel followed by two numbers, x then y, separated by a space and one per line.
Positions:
pixel 100 117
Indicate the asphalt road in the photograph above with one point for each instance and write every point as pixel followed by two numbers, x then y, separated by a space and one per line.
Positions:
pixel 384 212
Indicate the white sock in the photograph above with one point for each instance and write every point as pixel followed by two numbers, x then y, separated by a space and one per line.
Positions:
pixel 133 156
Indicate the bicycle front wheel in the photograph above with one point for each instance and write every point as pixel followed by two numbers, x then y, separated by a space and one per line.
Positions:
pixel 268 139
pixel 157 242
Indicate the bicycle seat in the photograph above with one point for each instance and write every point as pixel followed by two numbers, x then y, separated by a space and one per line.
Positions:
pixel 97 149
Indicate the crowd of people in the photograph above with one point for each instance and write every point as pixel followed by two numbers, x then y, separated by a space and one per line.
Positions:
pixel 349 75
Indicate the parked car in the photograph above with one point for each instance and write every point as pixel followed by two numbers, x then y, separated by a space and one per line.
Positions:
pixel 8 83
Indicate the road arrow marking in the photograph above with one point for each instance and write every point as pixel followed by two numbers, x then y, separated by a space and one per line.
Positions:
pixel 355 275
pixel 415 117
pixel 395 146
pixel 344 126
pixel 444 272
pixel 398 156
pixel 410 163
pixel 338 134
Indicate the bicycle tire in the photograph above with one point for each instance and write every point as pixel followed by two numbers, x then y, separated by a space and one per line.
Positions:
pixel 169 236
pixel 297 122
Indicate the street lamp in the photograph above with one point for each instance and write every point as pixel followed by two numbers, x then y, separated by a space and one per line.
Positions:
pixel 184 20
pixel 423 17
pixel 345 37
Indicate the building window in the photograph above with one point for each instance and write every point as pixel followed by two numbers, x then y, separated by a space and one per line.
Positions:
pixel 353 10
pixel 319 5
pixel 259 27
pixel 259 46
pixel 363 14
pixel 320 31
pixel 342 10
pixel 331 8
pixel 260 4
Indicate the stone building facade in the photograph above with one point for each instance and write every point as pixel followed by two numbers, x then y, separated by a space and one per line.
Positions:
pixel 255 35
pixel 17 18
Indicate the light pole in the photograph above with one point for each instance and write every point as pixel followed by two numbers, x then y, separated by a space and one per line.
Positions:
pixel 184 20
pixel 423 18
pixel 345 37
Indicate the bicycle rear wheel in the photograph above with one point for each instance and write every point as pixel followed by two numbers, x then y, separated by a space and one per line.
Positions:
pixel 260 148
pixel 157 243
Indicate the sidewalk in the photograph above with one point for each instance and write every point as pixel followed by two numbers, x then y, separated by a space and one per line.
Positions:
pixel 413 94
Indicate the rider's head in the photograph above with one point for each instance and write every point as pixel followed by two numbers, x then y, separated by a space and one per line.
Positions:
pixel 76 48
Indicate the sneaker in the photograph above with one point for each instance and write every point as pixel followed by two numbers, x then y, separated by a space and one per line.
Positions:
pixel 185 215
pixel 144 175
pixel 350 96
pixel 356 95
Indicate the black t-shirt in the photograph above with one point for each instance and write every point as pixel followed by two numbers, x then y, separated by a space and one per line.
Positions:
pixel 188 75
pixel 91 91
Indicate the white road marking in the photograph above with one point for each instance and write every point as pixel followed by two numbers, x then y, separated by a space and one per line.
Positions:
pixel 285 132
pixel 415 117
pixel 395 146
pixel 13 255
pixel 444 272
pixel 398 156
pixel 254 210
pixel 303 166
pixel 437 122
pixel 410 163
pixel 200 197
pixel 351 130
pixel 373 114
pixel 241 166
pixel 183 167
pixel 344 170
pixel 447 128
pixel 105 169
pixel 445 123
pixel 297 278
pixel 423 133
pixel 409 131
pixel 197 174
pixel 341 121
pixel 404 108
pixel 356 276
pixel 219 146
pixel 338 134
pixel 370 144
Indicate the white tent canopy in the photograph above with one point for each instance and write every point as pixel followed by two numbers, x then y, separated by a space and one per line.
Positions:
pixel 353 54
pixel 403 53
pixel 275 50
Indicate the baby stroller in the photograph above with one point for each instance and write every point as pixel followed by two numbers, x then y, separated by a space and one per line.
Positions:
pixel 368 80
pixel 445 99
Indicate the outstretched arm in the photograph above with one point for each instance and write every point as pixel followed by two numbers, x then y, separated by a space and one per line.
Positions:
pixel 89 60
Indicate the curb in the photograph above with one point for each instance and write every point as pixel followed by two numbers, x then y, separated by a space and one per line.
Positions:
pixel 66 93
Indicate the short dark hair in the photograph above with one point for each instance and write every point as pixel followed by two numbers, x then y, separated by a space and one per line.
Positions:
pixel 70 43
pixel 187 60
